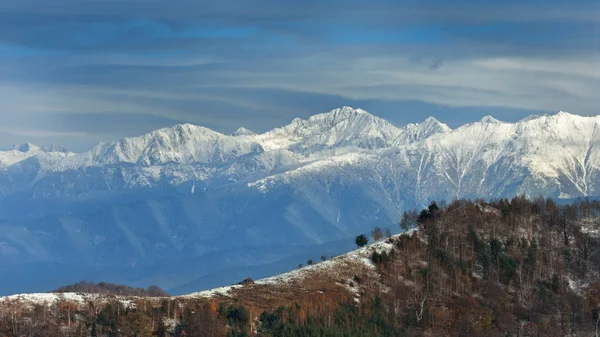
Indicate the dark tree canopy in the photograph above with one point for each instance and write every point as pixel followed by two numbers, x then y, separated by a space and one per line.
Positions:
pixel 361 240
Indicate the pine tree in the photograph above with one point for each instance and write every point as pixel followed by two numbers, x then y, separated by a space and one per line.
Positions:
pixel 361 240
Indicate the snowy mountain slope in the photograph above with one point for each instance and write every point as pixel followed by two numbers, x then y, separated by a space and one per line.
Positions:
pixel 417 132
pixel 552 155
pixel 182 144
pixel 242 131
pixel 341 127
pixel 176 192
pixel 23 151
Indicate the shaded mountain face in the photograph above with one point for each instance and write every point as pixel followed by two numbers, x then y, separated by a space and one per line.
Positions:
pixel 196 202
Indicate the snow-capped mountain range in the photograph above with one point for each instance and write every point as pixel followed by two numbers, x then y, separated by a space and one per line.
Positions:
pixel 190 192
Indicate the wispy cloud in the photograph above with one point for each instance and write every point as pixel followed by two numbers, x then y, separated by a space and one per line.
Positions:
pixel 93 65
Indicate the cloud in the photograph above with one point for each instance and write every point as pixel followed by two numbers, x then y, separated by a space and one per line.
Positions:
pixel 437 64
pixel 123 67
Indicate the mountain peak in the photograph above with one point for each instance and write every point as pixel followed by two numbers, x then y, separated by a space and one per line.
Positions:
pixel 26 147
pixel 432 123
pixel 431 119
pixel 489 120
pixel 564 114
pixel 419 131
pixel 339 127
pixel 188 127
pixel 558 117
pixel 343 113
pixel 242 131
pixel 181 144
pixel 348 109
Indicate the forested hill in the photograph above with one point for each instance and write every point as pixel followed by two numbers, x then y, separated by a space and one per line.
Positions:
pixel 110 289
pixel 505 268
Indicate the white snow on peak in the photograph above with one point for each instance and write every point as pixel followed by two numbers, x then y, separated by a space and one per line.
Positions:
pixel 420 131
pixel 341 127
pixel 431 122
pixel 559 152
pixel 564 114
pixel 558 115
pixel 24 151
pixel 489 120
pixel 243 132
pixel 183 143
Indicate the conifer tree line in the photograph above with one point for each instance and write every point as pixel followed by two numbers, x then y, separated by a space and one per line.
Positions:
pixel 518 267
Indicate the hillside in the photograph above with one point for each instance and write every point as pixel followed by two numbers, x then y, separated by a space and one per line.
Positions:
pixel 503 268
pixel 140 210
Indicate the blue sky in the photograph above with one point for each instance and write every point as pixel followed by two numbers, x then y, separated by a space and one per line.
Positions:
pixel 80 71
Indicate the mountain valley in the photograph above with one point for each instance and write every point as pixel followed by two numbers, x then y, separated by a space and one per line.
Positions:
pixel 181 205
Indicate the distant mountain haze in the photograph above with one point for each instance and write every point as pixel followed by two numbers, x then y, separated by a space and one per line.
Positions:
pixel 187 208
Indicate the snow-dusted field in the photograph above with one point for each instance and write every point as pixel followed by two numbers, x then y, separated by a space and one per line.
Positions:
pixel 77 298
pixel 361 256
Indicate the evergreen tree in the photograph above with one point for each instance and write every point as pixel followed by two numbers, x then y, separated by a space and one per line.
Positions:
pixel 361 240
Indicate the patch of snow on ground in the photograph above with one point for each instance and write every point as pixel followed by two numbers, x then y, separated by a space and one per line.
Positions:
pixel 50 298
pixel 78 298
pixel 590 226
pixel 353 288
pixel 577 287
pixel 489 209
pixel 298 274
pixel 363 254
pixel 222 291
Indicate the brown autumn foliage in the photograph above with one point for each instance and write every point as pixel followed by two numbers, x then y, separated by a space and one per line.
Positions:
pixel 377 233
